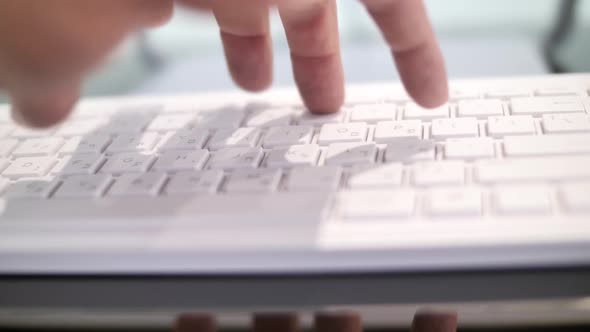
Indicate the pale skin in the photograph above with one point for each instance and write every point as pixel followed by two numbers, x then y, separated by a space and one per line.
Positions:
pixel 48 47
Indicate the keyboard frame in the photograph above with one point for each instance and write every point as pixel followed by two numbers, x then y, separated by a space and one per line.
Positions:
pixel 490 271
pixel 184 292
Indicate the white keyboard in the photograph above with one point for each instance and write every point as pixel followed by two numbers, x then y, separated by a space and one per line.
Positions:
pixel 499 176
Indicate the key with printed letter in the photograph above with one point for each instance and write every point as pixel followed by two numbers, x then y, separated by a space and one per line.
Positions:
pixel 452 128
pixel 236 158
pixel 347 154
pixel 287 135
pixel 253 181
pixel 409 150
pixel 414 111
pixel 296 155
pixel 343 133
pixel 83 186
pixel 480 108
pixel 147 184
pixel 29 166
pixel 390 131
pixel 181 160
pixel 314 178
pixel 500 126
pixel 127 162
pixel 31 189
pixel 439 173
pixel 202 182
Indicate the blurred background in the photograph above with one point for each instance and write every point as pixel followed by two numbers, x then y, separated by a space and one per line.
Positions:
pixel 478 38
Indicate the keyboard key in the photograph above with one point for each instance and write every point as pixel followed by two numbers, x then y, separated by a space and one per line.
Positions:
pixel 287 135
pixel 78 164
pixel 507 93
pixel 575 197
pixel 397 203
pixel 254 181
pixel 181 160
pixel 127 123
pixel 390 131
pixel 83 186
pixel 469 148
pixel 500 126
pixel 34 147
pixel 5 130
pixel 311 119
pixel 458 94
pixel 127 162
pixel 566 123
pixel 170 122
pixel 270 117
pixel 133 142
pixel 533 169
pixel 227 117
pixel 526 146
pixel 438 173
pixel 376 176
pixel 81 127
pixel 521 199
pixel 236 158
pixel 314 178
pixel 203 182
pixel 29 167
pixel 296 155
pixel 535 106
pixel 480 109
pixel 454 202
pixel 452 128
pixel 343 133
pixel 373 113
pixel 199 212
pixel 416 112
pixel 347 154
pixel 23 132
pixel 241 137
pixel 93 143
pixel 556 91
pixel 184 139
pixel 148 184
pixel 410 150
pixel 7 146
pixel 33 189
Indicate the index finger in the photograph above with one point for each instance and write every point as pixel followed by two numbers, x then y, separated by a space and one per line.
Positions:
pixel 406 28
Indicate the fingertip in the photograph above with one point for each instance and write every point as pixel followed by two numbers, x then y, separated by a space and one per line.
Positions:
pixel 40 110
pixel 422 71
pixel 320 81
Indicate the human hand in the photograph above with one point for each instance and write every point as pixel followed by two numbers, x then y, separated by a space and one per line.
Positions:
pixel 424 321
pixel 59 41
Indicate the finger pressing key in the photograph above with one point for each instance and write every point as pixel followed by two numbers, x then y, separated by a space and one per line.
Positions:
pixel 338 322
pixel 311 27
pixel 196 322
pixel 430 321
pixel 275 322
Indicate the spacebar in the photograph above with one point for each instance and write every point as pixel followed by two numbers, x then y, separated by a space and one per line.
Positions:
pixel 278 208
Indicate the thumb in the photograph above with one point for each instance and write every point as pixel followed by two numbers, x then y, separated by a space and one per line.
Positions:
pixel 44 106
